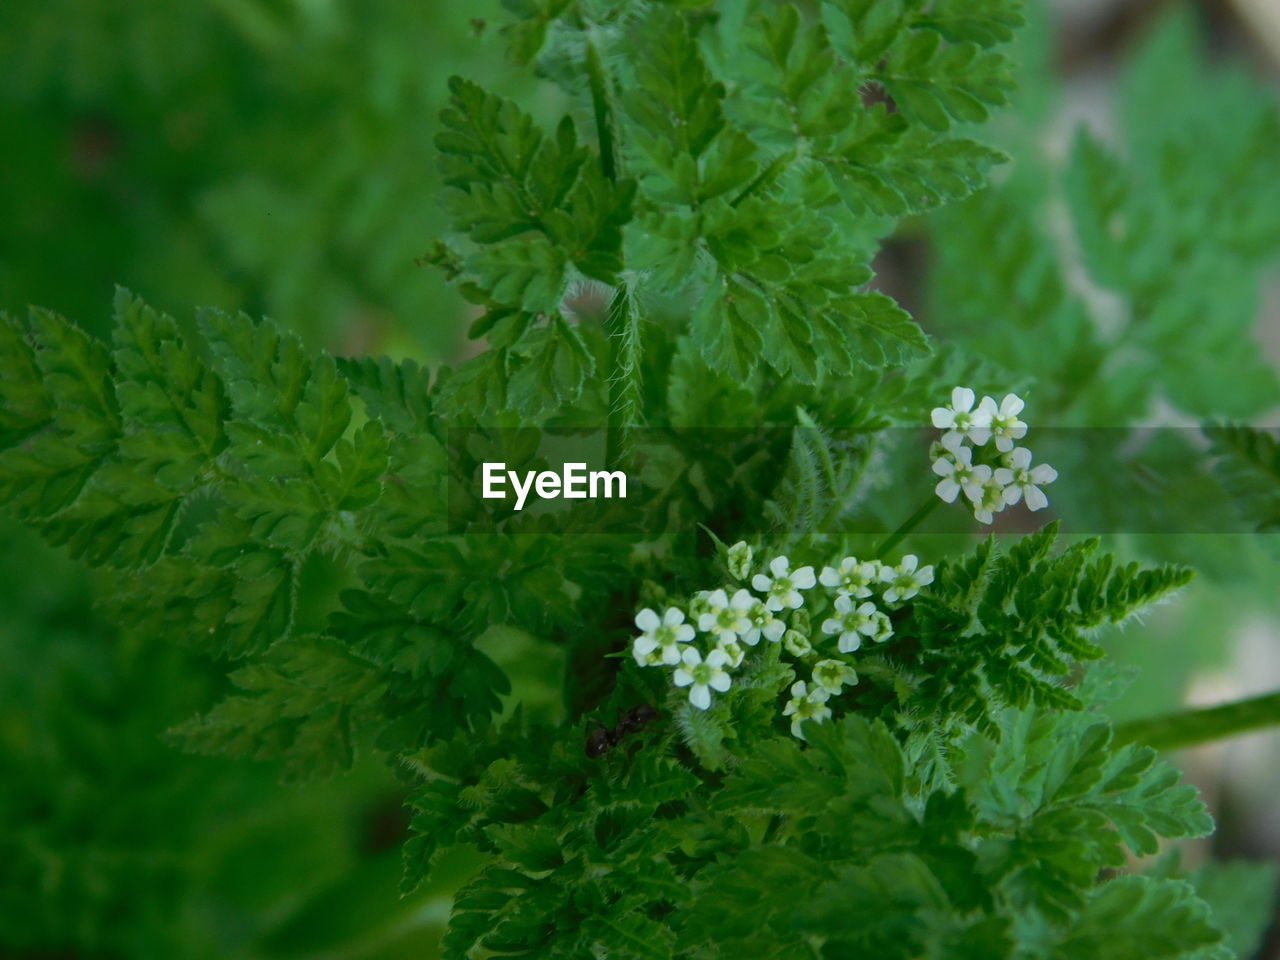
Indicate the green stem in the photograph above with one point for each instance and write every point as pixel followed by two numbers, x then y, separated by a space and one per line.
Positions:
pixel 600 108
pixel 908 525
pixel 1190 727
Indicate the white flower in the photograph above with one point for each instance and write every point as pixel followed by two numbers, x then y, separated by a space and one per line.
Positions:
pixel 763 623
pixel 832 675
pixel 1005 425
pixel 905 580
pixel 726 618
pixel 884 628
pixel 784 587
pixel 797 643
pixel 733 653
pixel 854 623
pixel 958 473
pixel 1023 481
pixel 990 501
pixel 804 705
pixel 739 560
pixel 960 419
pixel 660 638
pixel 698 604
pixel 651 658
pixel 851 578
pixel 702 676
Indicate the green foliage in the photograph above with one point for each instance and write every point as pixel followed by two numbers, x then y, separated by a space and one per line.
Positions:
pixel 1171 238
pixel 1007 627
pixel 687 246
pixel 1248 465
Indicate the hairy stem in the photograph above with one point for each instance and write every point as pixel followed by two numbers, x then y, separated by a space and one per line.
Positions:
pixel 1187 728
pixel 908 525
pixel 623 326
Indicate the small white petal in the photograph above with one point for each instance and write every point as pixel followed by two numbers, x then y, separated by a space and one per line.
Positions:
pixel 844 604
pixel 849 642
pixel 691 656
pixel 962 399
pixel 942 418
pixel 1011 405
pixel 1043 473
pixel 707 622
pixel 720 681
pixel 1004 444
pixel 774 630
pixel 830 626
pixel 1036 500
pixel 829 577
pixel 673 617
pixel 924 576
pixel 645 644
pixel 803 578
pixel 761 583
pixel 947 490
pixel 1012 495
pixel 684 633
pixel 700 696
pixel 718 598
pixel 647 620
pixel 909 563
pixel 716 658
pixel 1020 458
pixel 682 677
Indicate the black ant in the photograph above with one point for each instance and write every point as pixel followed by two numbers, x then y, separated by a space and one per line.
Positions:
pixel 601 740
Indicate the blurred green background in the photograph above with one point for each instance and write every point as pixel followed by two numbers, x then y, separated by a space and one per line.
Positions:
pixel 276 156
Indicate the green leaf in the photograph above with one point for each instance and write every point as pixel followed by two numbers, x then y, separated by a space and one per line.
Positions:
pixel 60 414
pixel 1242 896
pixel 1139 916
pixel 296 703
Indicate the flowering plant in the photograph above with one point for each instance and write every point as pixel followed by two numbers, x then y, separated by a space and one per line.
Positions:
pixel 727 722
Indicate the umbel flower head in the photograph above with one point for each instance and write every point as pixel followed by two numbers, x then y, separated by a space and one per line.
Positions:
pixel 854 595
pixel 1005 478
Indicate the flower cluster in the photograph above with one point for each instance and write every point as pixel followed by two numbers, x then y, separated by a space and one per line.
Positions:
pixel 1000 477
pixel 780 607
